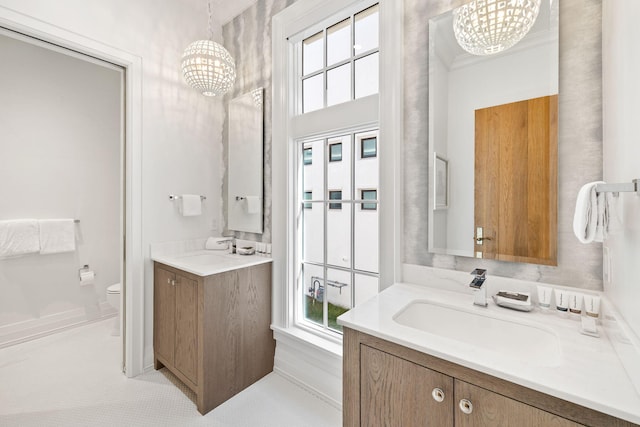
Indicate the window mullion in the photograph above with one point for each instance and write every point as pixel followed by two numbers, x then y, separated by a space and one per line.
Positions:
pixel 324 70
pixel 353 209
pixel 325 299
pixel 353 63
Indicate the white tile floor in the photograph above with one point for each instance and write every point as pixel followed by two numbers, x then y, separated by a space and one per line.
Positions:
pixel 72 379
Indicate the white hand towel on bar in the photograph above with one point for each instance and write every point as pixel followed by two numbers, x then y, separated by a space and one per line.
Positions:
pixel 57 236
pixel 253 204
pixel 602 226
pixel 190 205
pixel 19 237
pixel 590 220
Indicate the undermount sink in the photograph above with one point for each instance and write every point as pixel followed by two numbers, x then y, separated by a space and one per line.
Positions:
pixel 207 258
pixel 532 344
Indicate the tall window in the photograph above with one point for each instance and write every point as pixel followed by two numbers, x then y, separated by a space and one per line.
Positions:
pixel 333 131
pixel 325 68
pixel 339 234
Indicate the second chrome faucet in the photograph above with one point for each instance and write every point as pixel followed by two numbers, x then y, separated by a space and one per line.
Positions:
pixel 480 294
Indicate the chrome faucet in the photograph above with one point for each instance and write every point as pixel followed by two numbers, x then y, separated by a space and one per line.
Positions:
pixel 480 294
pixel 231 243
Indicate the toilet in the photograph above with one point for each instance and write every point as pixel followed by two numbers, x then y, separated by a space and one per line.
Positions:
pixel 113 298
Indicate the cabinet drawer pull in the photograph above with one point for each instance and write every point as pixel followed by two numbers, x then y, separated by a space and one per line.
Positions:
pixel 466 406
pixel 438 394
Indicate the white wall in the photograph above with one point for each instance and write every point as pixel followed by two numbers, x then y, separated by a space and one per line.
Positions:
pixel 182 130
pixel 621 105
pixel 61 148
pixel 482 85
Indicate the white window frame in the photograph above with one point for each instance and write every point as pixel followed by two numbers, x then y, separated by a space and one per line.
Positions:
pixel 383 111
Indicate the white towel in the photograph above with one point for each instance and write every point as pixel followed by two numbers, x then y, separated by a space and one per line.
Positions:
pixel 603 201
pixel 190 205
pixel 253 204
pixel 57 236
pixel 19 237
pixel 591 217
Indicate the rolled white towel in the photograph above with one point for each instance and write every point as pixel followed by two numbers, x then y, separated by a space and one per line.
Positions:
pixel 585 218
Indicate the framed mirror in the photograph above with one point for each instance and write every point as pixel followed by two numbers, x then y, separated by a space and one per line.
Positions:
pixel 245 201
pixel 494 119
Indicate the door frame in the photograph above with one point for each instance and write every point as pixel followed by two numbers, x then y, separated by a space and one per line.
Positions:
pixel 133 312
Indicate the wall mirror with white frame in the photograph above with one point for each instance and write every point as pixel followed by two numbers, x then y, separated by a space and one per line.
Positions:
pixel 245 200
pixel 494 118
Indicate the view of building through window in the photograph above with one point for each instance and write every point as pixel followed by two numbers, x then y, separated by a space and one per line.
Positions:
pixel 339 228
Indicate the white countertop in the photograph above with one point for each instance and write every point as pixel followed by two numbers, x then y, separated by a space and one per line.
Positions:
pixel 589 374
pixel 208 262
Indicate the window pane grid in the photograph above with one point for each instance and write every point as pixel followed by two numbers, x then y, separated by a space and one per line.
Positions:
pixel 334 273
pixel 337 267
pixel 329 77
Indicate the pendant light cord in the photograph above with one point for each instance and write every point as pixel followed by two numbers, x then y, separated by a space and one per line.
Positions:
pixel 210 27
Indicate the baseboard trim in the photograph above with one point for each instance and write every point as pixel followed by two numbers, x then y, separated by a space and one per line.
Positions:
pixel 38 328
pixel 314 368
pixel 320 395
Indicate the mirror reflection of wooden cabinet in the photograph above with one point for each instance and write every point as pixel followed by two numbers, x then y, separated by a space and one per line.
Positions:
pixel 516 181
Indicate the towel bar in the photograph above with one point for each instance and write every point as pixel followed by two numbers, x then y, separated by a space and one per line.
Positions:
pixel 173 197
pixel 632 187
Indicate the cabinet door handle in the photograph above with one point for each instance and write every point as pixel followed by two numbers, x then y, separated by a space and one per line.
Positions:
pixel 173 282
pixel 168 281
pixel 438 394
pixel 466 406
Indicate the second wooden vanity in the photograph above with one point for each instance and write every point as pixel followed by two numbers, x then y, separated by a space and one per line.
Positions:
pixel 387 384
pixel 213 332
pixel 419 355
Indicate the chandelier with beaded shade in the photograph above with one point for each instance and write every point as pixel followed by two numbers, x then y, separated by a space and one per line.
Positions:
pixel 208 67
pixel 485 27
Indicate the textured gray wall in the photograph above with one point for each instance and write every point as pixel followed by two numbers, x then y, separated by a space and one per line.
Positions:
pixel 580 143
pixel 248 39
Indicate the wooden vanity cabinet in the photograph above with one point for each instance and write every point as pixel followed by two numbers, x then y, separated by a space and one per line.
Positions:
pixel 176 323
pixel 385 384
pixel 213 332
pixel 394 392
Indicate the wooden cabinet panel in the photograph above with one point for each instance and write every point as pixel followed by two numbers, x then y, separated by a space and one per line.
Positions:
pixel 186 327
pixel 241 343
pixel 395 392
pixel 386 384
pixel 492 409
pixel 214 332
pixel 223 321
pixel 164 315
pixel 256 298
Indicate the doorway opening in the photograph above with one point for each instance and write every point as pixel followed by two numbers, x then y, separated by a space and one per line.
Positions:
pixel 64 118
